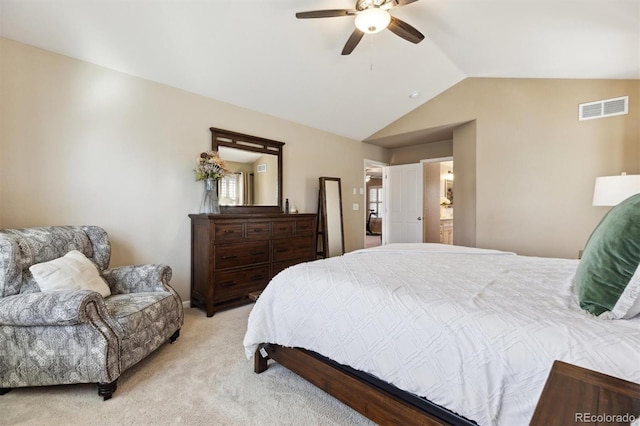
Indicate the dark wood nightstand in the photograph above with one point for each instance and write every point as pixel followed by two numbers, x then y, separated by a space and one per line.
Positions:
pixel 574 395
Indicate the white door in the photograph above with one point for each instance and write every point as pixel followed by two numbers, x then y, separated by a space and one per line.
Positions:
pixel 402 188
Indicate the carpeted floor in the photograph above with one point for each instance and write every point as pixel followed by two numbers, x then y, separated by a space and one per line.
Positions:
pixel 372 241
pixel 202 379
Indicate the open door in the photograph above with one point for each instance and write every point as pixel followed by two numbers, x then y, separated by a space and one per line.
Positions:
pixel 402 221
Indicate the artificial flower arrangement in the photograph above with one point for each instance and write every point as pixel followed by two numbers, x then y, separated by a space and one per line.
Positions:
pixel 210 165
pixel 444 201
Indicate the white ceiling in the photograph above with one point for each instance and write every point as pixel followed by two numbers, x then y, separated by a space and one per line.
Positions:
pixel 256 54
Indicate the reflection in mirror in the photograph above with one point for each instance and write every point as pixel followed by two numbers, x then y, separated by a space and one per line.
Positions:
pixel 331 217
pixel 255 182
pixel 448 191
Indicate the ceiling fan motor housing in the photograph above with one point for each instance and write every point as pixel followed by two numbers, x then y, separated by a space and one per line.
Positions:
pixel 368 4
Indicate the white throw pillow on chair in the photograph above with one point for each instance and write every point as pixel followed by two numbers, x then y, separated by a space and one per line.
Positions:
pixel 73 271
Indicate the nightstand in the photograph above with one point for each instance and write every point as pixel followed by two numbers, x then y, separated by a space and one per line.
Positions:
pixel 575 395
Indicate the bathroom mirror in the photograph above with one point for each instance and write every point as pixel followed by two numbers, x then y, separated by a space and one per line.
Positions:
pixel 255 182
pixel 448 190
pixel 331 223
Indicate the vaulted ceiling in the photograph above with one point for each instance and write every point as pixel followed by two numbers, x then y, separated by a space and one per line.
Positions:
pixel 256 54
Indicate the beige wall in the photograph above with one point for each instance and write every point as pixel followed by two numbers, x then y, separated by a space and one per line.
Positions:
pixel 81 144
pixel 415 153
pixel 265 181
pixel 527 163
pixel 464 170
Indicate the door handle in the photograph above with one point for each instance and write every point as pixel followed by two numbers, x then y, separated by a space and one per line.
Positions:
pixel 419 218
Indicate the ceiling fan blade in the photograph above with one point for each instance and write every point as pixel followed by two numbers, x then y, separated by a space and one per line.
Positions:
pixel 353 41
pixel 399 3
pixel 330 13
pixel 404 30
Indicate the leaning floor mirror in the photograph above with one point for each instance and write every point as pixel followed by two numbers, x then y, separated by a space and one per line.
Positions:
pixel 330 217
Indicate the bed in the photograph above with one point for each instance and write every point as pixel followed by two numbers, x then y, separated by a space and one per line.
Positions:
pixel 472 332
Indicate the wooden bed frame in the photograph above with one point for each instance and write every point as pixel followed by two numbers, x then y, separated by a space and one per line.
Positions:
pixel 377 400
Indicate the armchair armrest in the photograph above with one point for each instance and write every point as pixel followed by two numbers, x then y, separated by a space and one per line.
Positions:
pixel 57 308
pixel 138 278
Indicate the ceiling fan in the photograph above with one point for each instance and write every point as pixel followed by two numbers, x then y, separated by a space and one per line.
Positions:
pixel 372 16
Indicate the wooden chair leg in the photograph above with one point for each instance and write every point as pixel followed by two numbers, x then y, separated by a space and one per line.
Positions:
pixel 106 390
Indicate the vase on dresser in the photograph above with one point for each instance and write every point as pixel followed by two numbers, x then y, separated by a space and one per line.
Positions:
pixel 210 204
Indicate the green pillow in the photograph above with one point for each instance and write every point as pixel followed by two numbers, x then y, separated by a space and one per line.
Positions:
pixel 608 278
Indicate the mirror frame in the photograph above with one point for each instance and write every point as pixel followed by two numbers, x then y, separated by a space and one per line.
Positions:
pixel 326 243
pixel 220 137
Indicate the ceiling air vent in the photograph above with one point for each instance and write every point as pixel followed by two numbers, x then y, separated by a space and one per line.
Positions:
pixel 605 108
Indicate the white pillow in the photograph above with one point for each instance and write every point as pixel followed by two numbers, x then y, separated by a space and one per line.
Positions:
pixel 73 271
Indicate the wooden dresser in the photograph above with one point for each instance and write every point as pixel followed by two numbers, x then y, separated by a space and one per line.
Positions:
pixel 233 255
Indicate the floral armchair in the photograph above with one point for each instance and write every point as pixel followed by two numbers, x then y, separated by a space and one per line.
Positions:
pixel 78 336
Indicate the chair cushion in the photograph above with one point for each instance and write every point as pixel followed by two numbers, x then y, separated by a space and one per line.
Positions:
pixel 146 321
pixel 136 311
pixel 73 271
pixel 608 276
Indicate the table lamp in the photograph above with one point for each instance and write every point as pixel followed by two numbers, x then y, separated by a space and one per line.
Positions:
pixel 611 190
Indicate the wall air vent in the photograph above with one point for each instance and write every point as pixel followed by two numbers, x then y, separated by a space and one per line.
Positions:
pixel 605 108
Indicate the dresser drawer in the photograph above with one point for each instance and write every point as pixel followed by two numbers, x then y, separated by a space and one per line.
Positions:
pixel 234 284
pixel 282 228
pixel 224 232
pixel 298 247
pixel 305 227
pixel 232 255
pixel 258 230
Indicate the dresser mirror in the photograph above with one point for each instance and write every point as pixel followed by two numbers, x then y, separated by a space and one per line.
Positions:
pixel 254 183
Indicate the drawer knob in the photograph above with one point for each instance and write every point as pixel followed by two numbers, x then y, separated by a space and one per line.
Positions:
pixel 256 253
pixel 227 283
pixel 228 256
pixel 229 231
pixel 258 277
pixel 282 250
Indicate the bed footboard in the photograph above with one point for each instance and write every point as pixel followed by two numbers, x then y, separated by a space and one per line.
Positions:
pixel 363 394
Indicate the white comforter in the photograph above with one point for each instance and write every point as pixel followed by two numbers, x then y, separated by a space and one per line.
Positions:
pixel 475 331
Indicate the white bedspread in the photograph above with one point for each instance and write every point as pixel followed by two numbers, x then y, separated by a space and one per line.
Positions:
pixel 475 331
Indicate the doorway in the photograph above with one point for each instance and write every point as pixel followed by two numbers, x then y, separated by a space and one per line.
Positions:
pixel 438 200
pixel 374 197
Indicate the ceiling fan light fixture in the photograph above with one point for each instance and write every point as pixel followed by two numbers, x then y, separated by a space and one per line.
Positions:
pixel 372 20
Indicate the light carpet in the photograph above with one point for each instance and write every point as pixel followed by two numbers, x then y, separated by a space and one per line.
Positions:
pixel 202 379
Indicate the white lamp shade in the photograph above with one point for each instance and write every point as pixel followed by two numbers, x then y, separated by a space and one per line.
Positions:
pixel 611 190
pixel 372 20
